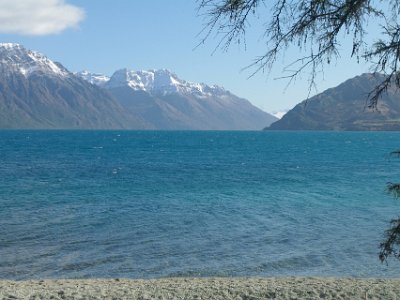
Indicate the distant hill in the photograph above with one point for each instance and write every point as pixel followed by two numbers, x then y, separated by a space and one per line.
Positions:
pixel 167 102
pixel 36 92
pixel 345 108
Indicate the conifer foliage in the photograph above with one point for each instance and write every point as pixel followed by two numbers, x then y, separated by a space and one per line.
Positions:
pixel 316 28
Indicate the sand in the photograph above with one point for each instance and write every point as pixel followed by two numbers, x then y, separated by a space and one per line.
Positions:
pixel 203 288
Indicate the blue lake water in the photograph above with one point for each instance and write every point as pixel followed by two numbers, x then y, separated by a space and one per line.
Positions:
pixel 85 204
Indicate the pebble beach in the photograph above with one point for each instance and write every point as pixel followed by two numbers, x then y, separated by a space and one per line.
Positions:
pixel 203 288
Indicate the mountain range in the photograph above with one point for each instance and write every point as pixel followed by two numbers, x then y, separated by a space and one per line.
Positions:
pixel 345 107
pixel 167 102
pixel 36 92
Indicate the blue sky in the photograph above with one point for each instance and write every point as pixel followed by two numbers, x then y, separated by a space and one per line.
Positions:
pixel 103 36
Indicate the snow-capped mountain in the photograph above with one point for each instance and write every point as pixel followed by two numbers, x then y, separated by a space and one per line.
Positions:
pixel 168 102
pixel 93 78
pixel 280 114
pixel 15 58
pixel 36 92
pixel 155 82
pixel 160 81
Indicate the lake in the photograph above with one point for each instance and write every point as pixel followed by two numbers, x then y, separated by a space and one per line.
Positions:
pixel 150 204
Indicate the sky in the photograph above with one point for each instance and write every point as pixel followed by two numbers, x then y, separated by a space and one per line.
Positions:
pixel 103 36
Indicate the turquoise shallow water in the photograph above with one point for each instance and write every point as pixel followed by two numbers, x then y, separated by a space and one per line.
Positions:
pixel 78 204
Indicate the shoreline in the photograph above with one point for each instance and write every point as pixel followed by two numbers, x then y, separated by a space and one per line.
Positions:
pixel 204 288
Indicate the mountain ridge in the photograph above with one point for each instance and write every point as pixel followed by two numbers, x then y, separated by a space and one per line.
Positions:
pixel 152 81
pixel 36 92
pixel 345 108
pixel 26 62
pixel 174 103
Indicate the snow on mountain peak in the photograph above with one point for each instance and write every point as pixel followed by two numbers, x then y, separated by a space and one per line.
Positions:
pixel 160 81
pixel 93 78
pixel 10 45
pixel 16 58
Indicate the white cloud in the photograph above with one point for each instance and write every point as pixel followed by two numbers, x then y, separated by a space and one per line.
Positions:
pixel 38 17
